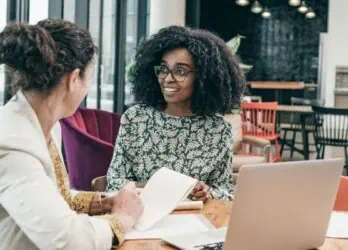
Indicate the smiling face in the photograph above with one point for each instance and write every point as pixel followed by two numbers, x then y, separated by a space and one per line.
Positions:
pixel 176 77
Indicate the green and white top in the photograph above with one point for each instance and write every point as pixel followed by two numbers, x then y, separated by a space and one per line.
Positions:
pixel 197 146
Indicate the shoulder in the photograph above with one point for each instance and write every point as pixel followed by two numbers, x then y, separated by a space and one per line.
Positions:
pixel 137 113
pixel 18 134
pixel 220 125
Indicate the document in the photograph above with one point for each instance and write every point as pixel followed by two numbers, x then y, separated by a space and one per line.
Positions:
pixel 162 193
pixel 172 225
pixel 338 225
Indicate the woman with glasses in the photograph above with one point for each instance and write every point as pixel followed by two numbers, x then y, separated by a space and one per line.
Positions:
pixel 184 80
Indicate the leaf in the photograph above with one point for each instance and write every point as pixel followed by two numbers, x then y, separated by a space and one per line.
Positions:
pixel 234 43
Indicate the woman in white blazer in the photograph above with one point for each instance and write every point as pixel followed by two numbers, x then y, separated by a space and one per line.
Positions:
pixel 52 67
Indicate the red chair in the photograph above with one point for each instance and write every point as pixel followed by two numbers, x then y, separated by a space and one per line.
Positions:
pixel 259 120
pixel 88 138
pixel 341 203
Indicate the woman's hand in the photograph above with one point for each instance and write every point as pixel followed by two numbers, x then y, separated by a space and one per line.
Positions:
pixel 200 192
pixel 127 206
pixel 141 184
pixel 101 204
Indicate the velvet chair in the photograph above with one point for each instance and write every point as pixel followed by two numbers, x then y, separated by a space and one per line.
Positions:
pixel 89 137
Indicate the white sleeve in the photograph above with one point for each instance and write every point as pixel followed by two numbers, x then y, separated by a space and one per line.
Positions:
pixel 32 200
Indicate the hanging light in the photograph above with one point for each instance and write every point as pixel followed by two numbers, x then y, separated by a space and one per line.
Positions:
pixel 294 2
pixel 310 14
pixel 242 2
pixel 266 13
pixel 256 8
pixel 303 8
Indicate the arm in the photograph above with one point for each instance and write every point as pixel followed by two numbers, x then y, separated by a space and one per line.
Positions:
pixel 120 171
pixel 32 200
pixel 220 180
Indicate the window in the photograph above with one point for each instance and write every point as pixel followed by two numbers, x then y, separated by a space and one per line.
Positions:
pixel 95 7
pixel 114 28
pixel 131 43
pixel 38 10
pixel 3 19
pixel 108 57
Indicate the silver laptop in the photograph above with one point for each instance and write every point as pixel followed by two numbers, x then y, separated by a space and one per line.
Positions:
pixel 277 206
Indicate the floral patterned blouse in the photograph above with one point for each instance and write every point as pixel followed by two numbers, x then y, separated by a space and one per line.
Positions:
pixel 200 147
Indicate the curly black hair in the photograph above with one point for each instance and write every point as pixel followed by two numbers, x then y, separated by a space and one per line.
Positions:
pixel 39 55
pixel 219 83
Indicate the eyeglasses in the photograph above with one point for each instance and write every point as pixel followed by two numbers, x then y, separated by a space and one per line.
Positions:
pixel 179 74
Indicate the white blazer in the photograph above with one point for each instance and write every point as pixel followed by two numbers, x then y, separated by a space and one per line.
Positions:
pixel 33 214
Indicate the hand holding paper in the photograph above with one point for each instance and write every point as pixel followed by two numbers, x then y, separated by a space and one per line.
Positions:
pixel 127 206
pixel 162 193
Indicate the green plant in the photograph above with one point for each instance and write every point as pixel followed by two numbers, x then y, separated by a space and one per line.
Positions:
pixel 234 45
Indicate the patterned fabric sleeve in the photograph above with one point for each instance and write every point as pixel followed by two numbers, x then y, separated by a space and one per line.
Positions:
pixel 116 228
pixel 81 202
pixel 120 170
pixel 220 180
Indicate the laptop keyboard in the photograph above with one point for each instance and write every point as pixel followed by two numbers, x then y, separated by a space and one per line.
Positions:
pixel 212 246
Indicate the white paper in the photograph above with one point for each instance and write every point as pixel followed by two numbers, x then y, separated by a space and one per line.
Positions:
pixel 172 225
pixel 338 225
pixel 186 204
pixel 192 240
pixel 162 193
pixel 189 205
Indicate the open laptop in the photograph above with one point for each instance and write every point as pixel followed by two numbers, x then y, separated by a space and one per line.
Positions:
pixel 277 206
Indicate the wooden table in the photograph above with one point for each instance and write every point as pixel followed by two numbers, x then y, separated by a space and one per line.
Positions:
pixel 277 86
pixel 218 212
pixel 295 108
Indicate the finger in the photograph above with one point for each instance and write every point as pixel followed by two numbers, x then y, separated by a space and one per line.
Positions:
pixel 107 208
pixel 198 187
pixel 200 194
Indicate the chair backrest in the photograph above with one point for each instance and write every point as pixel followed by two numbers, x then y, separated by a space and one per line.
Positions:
pixel 99 184
pixel 295 119
pixel 88 155
pixel 305 102
pixel 331 126
pixel 341 203
pixel 259 119
pixel 252 98
pixel 101 124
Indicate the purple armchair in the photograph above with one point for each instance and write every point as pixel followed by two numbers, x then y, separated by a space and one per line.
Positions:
pixel 88 138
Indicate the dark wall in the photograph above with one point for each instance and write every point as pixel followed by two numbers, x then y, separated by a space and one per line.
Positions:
pixel 284 47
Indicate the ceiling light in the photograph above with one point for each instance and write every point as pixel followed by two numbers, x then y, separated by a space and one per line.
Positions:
pixel 310 14
pixel 294 2
pixel 266 13
pixel 256 8
pixel 242 2
pixel 303 8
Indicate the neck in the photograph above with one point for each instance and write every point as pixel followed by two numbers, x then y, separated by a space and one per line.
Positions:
pixel 46 112
pixel 176 109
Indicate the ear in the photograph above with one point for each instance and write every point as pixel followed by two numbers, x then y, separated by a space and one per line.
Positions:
pixel 73 80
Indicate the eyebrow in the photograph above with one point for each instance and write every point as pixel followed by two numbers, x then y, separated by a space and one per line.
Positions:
pixel 179 64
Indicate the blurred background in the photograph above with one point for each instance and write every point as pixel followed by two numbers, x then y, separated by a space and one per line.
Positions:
pixel 283 41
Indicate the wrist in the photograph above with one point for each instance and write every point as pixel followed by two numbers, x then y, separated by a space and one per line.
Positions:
pixel 96 206
pixel 125 220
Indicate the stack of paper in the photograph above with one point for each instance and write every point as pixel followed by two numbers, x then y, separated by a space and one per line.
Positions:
pixel 338 226
pixel 162 193
pixel 173 225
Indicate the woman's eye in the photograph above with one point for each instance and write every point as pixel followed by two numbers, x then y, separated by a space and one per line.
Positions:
pixel 163 70
pixel 180 72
